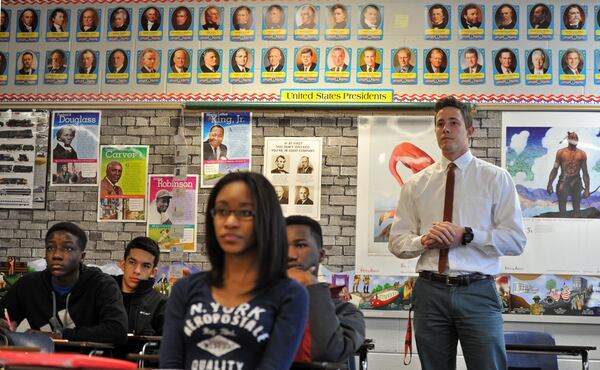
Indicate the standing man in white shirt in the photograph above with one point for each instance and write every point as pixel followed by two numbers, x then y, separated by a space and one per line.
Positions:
pixel 455 296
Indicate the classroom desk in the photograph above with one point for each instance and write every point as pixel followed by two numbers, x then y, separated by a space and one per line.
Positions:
pixel 318 366
pixel 143 338
pixel 30 360
pixel 92 348
pixel 19 348
pixel 544 349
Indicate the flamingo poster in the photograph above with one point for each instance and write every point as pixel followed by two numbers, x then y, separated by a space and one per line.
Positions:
pixel 390 150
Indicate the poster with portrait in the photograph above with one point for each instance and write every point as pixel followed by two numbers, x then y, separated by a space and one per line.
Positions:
pixel 506 22
pixel 241 66
pixel 572 67
pixel 370 25
pixel 226 145
pixel 180 66
pixel 122 191
pixel 390 151
pixel 506 67
pixel 472 21
pixel 573 25
pixel 211 23
pixel 210 65
pixel 437 66
pixel 28 28
pixel 306 64
pixel 57 67
pixel 596 67
pixel 119 24
pixel 117 66
pixel 27 67
pixel 339 21
pixel 4 67
pixel 438 22
pixel 472 66
pixel 5 24
pixel 369 66
pixel 181 23
pixel 540 21
pixel 172 211
pixel 596 22
pixel 306 22
pixel 339 64
pixel 74 141
pixel 293 165
pixel 23 159
pixel 404 66
pixel 149 66
pixel 150 26
pixel 554 160
pixel 58 25
pixel 273 67
pixel 86 67
pixel 274 25
pixel 89 24
pixel 243 26
pixel 539 66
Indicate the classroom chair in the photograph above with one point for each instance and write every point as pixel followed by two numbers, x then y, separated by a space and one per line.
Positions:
pixel 41 341
pixel 517 361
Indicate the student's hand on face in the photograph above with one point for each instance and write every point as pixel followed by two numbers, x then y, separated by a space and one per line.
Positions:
pixel 303 277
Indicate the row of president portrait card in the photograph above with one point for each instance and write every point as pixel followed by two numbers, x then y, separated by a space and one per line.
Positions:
pixel 308 64
pixel 274 22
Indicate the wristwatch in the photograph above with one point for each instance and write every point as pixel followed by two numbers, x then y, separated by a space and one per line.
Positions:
pixel 467 236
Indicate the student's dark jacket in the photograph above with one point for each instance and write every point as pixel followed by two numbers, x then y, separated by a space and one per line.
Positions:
pixel 146 310
pixel 95 305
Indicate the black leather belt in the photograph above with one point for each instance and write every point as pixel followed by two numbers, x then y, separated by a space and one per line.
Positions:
pixel 455 280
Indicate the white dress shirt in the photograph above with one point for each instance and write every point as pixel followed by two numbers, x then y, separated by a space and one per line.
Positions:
pixel 485 199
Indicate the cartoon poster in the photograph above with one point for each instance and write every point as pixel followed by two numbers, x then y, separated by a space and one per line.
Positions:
pixel 23 159
pixel 75 138
pixel 172 211
pixel 550 294
pixel 293 165
pixel 554 159
pixel 122 191
pixel 226 144
pixel 385 294
pixel 390 151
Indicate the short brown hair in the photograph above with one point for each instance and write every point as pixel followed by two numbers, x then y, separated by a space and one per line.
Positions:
pixel 450 101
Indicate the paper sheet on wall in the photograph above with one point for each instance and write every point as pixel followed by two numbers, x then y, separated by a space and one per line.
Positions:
pixel 293 165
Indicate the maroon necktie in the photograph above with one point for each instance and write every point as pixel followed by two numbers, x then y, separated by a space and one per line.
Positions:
pixel 448 201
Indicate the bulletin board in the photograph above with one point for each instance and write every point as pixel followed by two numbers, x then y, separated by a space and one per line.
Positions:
pixel 386 52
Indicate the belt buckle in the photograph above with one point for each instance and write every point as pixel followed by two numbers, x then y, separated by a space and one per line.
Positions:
pixel 448 281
